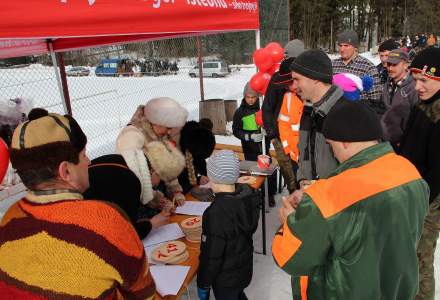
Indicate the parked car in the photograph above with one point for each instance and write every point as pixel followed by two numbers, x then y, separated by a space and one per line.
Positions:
pixel 211 69
pixel 78 71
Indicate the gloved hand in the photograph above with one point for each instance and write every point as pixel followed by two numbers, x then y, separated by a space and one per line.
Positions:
pixel 256 137
pixel 203 293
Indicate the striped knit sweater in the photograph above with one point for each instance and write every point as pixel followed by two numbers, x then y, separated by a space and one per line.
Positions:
pixel 56 245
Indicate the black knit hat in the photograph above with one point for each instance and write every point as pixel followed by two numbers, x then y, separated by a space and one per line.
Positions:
pixel 199 141
pixel 428 63
pixel 350 121
pixel 388 45
pixel 314 64
pixel 284 76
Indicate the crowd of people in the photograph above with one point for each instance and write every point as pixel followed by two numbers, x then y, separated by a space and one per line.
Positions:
pixel 357 146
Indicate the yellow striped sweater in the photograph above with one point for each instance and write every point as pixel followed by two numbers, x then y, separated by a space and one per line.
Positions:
pixel 54 245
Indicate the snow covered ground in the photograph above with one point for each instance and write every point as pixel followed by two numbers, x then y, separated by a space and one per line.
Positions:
pixel 103 105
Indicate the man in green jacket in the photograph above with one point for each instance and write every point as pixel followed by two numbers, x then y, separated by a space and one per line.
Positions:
pixel 354 235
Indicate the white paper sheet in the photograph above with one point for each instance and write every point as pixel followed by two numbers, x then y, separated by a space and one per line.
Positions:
pixel 169 279
pixel 193 208
pixel 169 232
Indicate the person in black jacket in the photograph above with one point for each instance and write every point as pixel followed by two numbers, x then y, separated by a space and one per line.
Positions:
pixel 421 145
pixel 226 250
pixel 245 128
pixel 273 99
pixel 197 143
pixel 112 181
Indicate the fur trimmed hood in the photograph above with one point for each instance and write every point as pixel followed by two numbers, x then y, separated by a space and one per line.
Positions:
pixel 140 121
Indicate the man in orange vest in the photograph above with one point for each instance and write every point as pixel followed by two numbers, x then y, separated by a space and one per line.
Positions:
pixel 288 122
pixel 273 99
pixel 354 235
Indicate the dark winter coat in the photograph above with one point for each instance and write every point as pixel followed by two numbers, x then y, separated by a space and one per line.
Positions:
pixel 399 99
pixel 112 181
pixel 200 143
pixel 316 158
pixel 226 251
pixel 250 149
pixel 273 99
pixel 383 73
pixel 421 142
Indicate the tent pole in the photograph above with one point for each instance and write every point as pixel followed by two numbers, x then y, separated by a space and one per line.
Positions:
pixel 258 46
pixel 57 75
pixel 66 94
pixel 200 62
pixel 257 39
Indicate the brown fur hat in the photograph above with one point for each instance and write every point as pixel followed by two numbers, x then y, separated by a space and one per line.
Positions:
pixel 45 141
pixel 165 159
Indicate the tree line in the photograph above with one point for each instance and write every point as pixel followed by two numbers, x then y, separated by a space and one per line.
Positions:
pixel 317 22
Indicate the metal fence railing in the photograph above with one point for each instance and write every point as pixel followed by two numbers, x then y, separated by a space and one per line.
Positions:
pixel 141 71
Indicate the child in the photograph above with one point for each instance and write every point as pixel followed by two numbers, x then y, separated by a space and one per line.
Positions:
pixel 245 128
pixel 226 251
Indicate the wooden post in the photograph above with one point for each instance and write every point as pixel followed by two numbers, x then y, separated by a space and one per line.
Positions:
pixel 214 109
pixel 199 50
pixel 60 57
pixel 230 108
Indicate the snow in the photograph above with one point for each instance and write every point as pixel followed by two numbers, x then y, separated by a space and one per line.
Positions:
pixel 102 106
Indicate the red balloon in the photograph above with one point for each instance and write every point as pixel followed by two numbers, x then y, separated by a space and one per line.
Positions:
pixel 259 118
pixel 275 51
pixel 259 82
pixel 262 60
pixel 274 68
pixel 4 159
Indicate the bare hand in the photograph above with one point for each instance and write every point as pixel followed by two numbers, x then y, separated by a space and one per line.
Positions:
pixel 179 199
pixel 304 183
pixel 160 219
pixel 167 206
pixel 203 180
pixel 285 210
pixel 295 198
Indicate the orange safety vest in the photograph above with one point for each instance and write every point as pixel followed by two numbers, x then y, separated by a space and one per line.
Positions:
pixel 288 124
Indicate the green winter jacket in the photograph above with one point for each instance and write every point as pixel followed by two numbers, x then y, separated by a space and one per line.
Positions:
pixel 355 234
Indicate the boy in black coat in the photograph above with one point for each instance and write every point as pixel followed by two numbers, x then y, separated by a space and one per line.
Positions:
pixel 245 128
pixel 226 250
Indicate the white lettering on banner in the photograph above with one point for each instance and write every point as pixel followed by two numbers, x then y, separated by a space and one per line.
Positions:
pixel 210 3
pixel 91 2
pixel 156 3
pixel 239 5
pixel 252 7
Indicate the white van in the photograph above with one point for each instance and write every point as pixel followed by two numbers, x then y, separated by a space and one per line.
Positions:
pixel 212 69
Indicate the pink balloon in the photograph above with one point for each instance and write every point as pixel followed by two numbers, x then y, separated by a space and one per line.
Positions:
pixel 4 159
pixel 259 82
pixel 275 51
pixel 262 60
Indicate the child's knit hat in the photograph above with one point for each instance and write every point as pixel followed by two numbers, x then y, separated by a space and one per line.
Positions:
pixel 223 167
pixel 352 85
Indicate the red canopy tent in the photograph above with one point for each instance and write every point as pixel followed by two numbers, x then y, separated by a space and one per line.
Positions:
pixel 26 26
pixel 29 27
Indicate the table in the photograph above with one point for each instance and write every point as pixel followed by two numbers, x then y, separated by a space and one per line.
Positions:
pixel 251 167
pixel 194 248
pixel 260 180
pixel 192 261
